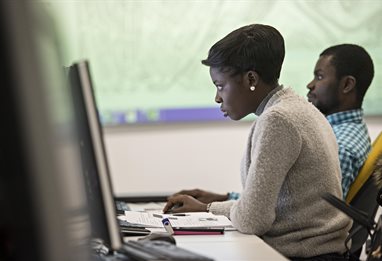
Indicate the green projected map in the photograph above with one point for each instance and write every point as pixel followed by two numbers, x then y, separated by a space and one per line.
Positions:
pixel 145 55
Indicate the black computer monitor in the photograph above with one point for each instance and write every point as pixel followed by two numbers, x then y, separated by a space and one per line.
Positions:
pixel 42 200
pixel 94 159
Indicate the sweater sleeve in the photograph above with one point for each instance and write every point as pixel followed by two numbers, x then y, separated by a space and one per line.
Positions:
pixel 276 146
pixel 222 208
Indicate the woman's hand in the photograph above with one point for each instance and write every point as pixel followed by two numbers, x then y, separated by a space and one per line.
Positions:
pixel 203 196
pixel 183 203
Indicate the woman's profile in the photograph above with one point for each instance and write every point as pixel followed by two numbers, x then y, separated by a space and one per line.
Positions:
pixel 291 157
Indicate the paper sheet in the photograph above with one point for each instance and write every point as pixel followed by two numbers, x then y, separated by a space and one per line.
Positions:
pixel 192 219
pixel 151 207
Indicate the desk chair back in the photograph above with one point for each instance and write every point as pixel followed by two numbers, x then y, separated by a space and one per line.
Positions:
pixel 363 194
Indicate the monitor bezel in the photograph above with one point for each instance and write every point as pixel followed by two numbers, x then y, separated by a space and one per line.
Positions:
pixel 99 151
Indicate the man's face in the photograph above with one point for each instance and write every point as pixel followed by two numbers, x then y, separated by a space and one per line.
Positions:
pixel 324 88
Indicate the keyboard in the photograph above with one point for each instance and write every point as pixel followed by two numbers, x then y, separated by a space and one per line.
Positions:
pixel 144 250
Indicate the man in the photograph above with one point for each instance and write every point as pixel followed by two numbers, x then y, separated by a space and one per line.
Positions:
pixel 342 75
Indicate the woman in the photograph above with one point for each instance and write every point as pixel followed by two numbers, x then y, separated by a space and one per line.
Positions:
pixel 291 157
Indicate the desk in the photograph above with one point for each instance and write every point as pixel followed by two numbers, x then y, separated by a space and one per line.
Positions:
pixel 233 245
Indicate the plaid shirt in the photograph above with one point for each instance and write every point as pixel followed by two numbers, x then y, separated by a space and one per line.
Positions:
pixel 353 143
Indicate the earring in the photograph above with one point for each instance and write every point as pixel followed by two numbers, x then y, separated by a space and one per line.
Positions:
pixel 252 88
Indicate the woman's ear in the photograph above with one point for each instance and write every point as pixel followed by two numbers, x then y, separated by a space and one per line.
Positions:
pixel 348 84
pixel 253 78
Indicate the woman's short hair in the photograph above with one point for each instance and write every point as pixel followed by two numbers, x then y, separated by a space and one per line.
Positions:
pixel 254 47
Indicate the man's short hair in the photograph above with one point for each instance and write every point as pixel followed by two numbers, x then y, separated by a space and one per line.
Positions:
pixel 253 47
pixel 351 59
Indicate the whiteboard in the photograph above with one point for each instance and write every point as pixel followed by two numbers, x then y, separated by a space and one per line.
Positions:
pixel 145 56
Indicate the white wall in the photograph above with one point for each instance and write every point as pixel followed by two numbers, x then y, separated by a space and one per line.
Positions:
pixel 163 159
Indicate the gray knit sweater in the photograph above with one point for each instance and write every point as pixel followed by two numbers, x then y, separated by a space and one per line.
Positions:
pixel 290 160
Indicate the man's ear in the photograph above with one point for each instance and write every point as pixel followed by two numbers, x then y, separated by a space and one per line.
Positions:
pixel 253 78
pixel 348 84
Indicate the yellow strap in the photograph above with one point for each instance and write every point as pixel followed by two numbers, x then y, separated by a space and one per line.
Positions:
pixel 367 168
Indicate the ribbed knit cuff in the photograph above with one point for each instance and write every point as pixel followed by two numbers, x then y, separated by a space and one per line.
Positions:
pixel 221 208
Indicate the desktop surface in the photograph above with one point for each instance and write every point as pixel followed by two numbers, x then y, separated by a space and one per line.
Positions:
pixel 232 245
